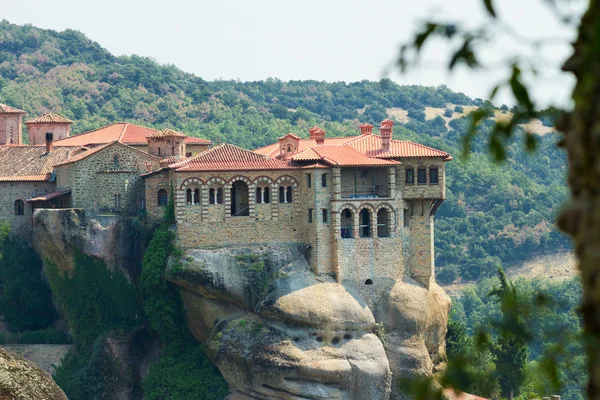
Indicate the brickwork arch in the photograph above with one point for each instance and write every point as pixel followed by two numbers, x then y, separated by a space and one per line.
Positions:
pixel 215 181
pixel 388 207
pixel 240 178
pixel 191 181
pixel 263 180
pixel 347 205
pixel 287 178
pixel 368 206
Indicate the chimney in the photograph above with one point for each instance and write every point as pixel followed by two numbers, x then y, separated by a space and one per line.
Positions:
pixel 317 134
pixel 386 133
pixel 49 138
pixel 366 129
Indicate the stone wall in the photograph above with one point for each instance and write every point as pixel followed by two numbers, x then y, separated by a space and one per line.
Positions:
pixel 416 190
pixel 11 128
pixel 99 185
pixel 12 191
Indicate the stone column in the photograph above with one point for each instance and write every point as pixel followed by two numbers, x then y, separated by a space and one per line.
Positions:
pixel 337 184
pixel 227 200
pixel 392 182
pixel 204 201
pixel 179 205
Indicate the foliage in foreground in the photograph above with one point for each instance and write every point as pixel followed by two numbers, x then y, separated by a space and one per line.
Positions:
pixel 538 317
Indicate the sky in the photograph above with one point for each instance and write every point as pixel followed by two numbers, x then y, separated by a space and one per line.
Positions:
pixel 330 40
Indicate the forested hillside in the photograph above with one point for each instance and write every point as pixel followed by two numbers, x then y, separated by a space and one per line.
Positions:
pixel 494 214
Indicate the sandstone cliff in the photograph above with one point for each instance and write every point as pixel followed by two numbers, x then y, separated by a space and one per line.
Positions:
pixel 276 330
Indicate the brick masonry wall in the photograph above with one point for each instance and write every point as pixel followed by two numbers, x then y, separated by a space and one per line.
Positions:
pixel 36 133
pixel 11 191
pixel 10 122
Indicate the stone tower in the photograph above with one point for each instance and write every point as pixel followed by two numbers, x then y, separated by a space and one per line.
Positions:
pixel 11 126
pixel 166 143
pixel 49 122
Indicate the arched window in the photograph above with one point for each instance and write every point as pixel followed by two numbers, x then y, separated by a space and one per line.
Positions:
pixel 288 195
pixel 172 150
pixel 220 196
pixel 266 197
pixel 347 224
pixel 289 148
pixel 163 197
pixel 383 223
pixel 364 227
pixel 33 140
pixel 258 195
pixel 19 207
pixel 281 194
pixel 196 196
pixel 116 161
pixel 188 197
pixel 369 282
pixel 117 201
pixel 159 152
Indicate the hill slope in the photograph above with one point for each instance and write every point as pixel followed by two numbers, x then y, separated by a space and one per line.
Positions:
pixel 493 213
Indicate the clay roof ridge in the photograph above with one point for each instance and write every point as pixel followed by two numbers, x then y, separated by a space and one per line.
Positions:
pixel 123 132
pixel 49 118
pixel 95 150
pixel 6 109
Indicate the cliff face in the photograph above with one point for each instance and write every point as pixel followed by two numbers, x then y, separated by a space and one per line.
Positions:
pixel 276 330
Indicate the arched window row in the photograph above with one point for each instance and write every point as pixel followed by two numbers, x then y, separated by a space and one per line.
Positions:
pixel 286 194
pixel 263 195
pixel 424 175
pixel 383 227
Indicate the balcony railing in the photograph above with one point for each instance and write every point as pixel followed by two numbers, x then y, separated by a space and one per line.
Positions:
pixel 364 192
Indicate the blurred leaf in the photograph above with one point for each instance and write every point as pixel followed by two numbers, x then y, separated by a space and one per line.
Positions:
pixel 489 7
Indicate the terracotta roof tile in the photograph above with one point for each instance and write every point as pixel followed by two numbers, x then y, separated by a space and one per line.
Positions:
pixel 126 133
pixel 49 118
pixel 370 145
pixel 6 109
pixel 227 157
pixel 82 155
pixel 341 156
pixel 272 150
pixel 30 163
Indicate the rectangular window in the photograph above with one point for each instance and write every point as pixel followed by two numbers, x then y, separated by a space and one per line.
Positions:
pixel 310 216
pixel 308 180
pixel 422 176
pixel 433 175
pixel 406 218
pixel 410 176
pixel 324 180
pixel 325 215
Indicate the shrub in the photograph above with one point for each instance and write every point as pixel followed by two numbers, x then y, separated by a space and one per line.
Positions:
pixel 26 301
pixel 448 113
pixel 459 109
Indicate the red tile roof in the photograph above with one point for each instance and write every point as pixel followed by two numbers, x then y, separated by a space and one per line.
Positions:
pixel 6 109
pixel 369 145
pixel 31 163
pixel 227 157
pixel 49 118
pixel 89 152
pixel 126 133
pixel 341 156
pixel 50 196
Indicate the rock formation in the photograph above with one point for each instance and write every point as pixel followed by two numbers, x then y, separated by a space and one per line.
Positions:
pixel 276 330
pixel 23 380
